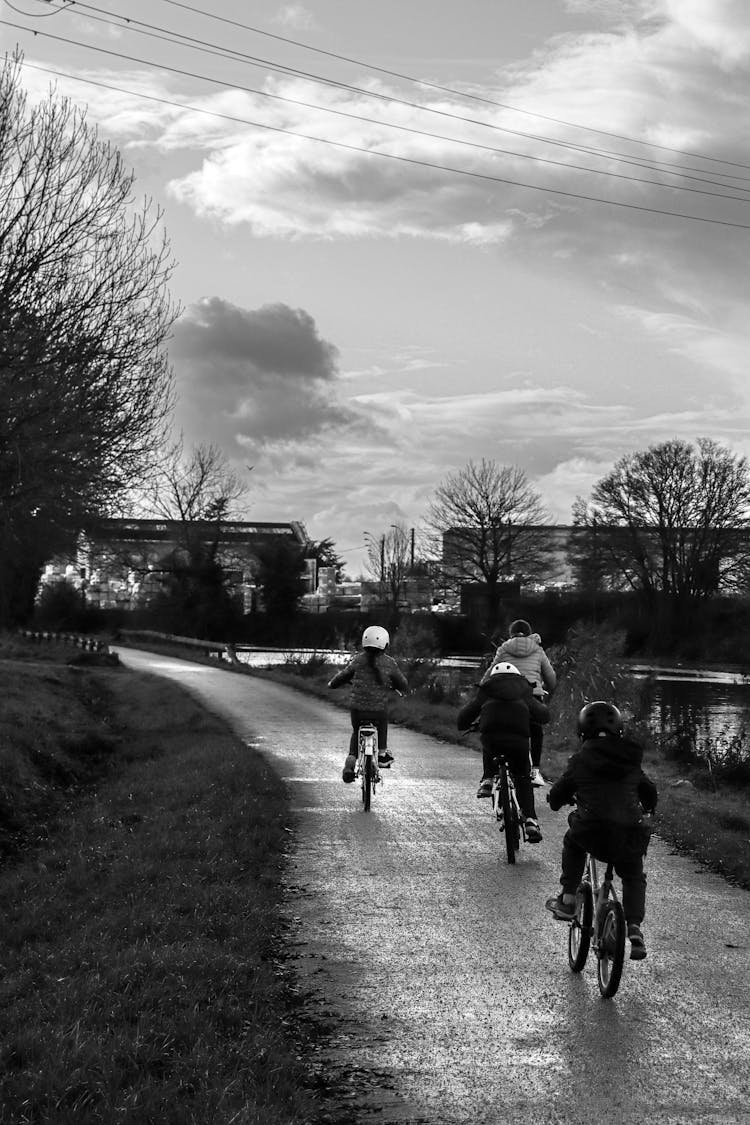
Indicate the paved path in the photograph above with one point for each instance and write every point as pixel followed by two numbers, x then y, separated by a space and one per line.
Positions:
pixel 441 967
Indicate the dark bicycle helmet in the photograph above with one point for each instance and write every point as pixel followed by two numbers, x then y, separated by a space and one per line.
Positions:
pixel 520 628
pixel 599 718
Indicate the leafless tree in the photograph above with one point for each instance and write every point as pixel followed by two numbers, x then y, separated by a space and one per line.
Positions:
pixel 488 518
pixel 196 485
pixel 85 384
pixel 673 522
pixel 389 560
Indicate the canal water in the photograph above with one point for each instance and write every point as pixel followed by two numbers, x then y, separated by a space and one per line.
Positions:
pixel 712 706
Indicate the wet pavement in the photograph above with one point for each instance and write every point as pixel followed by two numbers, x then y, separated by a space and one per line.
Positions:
pixel 446 978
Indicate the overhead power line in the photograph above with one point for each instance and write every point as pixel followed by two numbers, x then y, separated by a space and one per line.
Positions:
pixel 442 89
pixel 157 32
pixel 393 156
pixel 422 132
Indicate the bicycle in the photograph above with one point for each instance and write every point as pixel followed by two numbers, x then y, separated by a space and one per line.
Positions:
pixel 367 769
pixel 506 810
pixel 598 924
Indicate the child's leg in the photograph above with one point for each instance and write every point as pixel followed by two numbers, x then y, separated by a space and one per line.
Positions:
pixel 633 889
pixel 357 719
pixel 518 763
pixel 489 760
pixel 380 721
pixel 573 863
pixel 536 731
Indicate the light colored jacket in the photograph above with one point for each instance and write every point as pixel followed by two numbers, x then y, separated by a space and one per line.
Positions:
pixel 531 661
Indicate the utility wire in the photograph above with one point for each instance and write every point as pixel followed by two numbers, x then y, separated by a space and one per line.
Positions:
pixel 442 89
pixel 422 132
pixel 393 156
pixel 37 15
pixel 280 68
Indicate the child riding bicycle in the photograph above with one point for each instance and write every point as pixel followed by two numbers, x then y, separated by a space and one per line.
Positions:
pixel 606 781
pixel 372 674
pixel 524 649
pixel 505 708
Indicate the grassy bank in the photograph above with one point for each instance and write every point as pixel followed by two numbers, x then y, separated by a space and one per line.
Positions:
pixel 141 956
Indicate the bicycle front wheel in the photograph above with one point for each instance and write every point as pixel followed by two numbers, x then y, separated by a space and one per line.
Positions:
pixel 368 781
pixel 579 935
pixel 510 815
pixel 611 951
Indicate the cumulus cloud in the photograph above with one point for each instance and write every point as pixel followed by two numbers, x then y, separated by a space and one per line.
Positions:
pixel 250 378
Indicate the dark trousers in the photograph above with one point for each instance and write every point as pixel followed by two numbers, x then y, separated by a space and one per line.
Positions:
pixel 537 737
pixel 518 764
pixel 379 720
pixel 628 866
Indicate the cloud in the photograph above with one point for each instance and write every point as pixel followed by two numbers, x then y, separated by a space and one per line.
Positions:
pixel 252 378
pixel 294 16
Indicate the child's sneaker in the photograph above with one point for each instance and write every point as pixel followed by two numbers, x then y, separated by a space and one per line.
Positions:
pixel 637 944
pixel 562 906
pixel 485 787
pixel 385 759
pixel 348 771
pixel 536 778
pixel 533 831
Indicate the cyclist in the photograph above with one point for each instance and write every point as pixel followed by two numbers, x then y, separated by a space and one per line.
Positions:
pixel 611 791
pixel 524 649
pixel 504 705
pixel 372 674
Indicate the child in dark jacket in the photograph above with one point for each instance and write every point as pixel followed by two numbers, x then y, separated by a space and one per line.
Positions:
pixel 606 781
pixel 505 707
pixel 373 675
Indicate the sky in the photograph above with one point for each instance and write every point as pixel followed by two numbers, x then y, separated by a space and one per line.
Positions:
pixel 411 234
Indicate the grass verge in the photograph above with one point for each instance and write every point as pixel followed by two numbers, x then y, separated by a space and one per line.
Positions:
pixel 141 958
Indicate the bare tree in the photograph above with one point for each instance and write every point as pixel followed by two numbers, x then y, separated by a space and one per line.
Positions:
pixel 488 519
pixel 389 560
pixel 197 485
pixel 85 384
pixel 674 523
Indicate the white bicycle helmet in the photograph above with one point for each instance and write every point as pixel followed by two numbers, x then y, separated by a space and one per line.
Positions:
pixel 375 636
pixel 503 668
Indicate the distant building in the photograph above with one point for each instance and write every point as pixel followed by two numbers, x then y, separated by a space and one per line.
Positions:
pixel 120 561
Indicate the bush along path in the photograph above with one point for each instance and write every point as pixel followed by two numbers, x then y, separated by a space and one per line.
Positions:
pixel 142 972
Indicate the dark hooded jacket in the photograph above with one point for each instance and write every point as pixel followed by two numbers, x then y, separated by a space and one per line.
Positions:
pixel 611 791
pixel 504 705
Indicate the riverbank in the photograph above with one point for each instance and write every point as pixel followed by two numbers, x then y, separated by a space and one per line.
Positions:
pixel 142 973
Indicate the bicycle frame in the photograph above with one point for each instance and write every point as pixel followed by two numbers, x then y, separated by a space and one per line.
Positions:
pixel 367 762
pixel 599 924
pixel 506 809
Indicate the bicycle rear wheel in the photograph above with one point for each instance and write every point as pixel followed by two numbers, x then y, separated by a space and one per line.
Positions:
pixel 611 952
pixel 510 815
pixel 368 781
pixel 579 935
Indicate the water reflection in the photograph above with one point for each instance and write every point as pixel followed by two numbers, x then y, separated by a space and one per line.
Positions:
pixel 708 708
